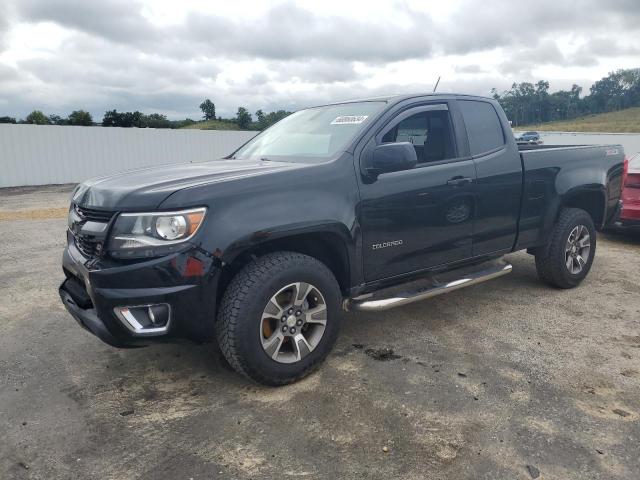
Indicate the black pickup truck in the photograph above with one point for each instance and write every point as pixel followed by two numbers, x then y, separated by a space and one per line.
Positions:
pixel 361 205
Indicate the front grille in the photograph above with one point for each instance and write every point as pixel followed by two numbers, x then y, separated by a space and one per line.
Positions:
pixel 87 238
pixel 94 215
pixel 88 245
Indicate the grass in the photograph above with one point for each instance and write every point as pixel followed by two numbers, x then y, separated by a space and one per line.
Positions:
pixel 213 125
pixel 623 121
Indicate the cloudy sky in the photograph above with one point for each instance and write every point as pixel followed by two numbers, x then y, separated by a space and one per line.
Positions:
pixel 166 56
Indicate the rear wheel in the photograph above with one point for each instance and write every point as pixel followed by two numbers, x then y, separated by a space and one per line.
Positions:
pixel 568 257
pixel 279 317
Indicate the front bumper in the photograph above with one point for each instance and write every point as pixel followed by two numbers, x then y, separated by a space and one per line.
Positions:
pixel 186 281
pixel 87 318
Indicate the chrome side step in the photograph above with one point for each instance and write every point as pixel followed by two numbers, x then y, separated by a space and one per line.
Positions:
pixel 378 301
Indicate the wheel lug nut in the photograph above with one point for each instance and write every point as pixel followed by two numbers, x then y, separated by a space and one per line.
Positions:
pixel 298 313
pixel 290 311
pixel 283 319
pixel 292 330
pixel 299 322
pixel 284 328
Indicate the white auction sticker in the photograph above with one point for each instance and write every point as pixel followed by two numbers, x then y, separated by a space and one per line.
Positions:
pixel 349 120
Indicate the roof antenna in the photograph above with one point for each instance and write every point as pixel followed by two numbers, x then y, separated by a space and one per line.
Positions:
pixel 436 87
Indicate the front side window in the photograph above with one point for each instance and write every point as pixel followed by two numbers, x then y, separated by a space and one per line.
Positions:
pixel 429 132
pixel 311 135
pixel 483 126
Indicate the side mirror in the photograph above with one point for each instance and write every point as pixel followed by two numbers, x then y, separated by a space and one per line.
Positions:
pixel 392 157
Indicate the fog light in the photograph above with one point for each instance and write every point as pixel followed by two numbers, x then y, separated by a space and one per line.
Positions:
pixel 145 319
pixel 158 314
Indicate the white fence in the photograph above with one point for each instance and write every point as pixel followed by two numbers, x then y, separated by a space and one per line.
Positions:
pixel 48 154
pixel 629 141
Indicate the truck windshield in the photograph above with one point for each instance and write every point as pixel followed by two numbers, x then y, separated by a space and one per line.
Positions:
pixel 311 135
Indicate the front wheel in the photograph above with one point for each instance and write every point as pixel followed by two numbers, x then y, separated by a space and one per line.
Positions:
pixel 279 317
pixel 568 257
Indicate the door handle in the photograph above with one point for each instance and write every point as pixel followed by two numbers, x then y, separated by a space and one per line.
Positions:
pixel 459 181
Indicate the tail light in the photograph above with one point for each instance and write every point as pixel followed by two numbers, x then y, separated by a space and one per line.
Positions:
pixel 625 171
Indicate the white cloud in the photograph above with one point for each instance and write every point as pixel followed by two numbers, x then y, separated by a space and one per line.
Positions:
pixel 166 56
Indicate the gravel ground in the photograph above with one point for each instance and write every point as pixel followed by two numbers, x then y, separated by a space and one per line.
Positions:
pixel 507 379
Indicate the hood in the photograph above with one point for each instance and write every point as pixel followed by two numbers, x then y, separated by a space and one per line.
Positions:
pixel 146 188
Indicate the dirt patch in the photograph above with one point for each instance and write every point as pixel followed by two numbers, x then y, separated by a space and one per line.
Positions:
pixel 39 214
pixel 242 459
pixel 284 394
pixel 544 386
pixel 382 354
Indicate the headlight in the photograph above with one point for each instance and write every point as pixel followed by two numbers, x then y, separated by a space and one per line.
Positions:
pixel 171 228
pixel 136 235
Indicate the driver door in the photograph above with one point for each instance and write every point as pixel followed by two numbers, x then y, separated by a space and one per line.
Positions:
pixel 422 217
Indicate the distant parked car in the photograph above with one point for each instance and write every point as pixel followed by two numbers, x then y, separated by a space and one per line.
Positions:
pixel 630 214
pixel 529 138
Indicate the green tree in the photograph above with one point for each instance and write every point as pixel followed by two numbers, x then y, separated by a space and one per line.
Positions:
pixel 156 120
pixel 182 123
pixel 260 117
pixel 113 118
pixel 57 120
pixel 542 103
pixel 208 109
pixel 37 118
pixel 618 90
pixel 243 118
pixel 80 117
pixel 134 119
pixel 265 121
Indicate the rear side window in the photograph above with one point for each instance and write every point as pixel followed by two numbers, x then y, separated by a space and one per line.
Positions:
pixel 483 126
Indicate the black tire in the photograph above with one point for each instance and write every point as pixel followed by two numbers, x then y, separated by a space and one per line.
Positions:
pixel 239 317
pixel 551 262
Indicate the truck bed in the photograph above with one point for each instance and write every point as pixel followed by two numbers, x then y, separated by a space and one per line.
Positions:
pixel 550 174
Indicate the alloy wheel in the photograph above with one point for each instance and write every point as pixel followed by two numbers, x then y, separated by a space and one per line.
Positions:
pixel 577 249
pixel 293 322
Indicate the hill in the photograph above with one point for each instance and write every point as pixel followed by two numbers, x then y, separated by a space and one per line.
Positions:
pixel 622 121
